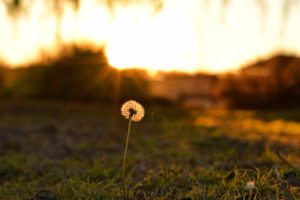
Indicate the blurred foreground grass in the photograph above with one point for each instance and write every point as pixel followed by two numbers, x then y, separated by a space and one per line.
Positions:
pixel 52 151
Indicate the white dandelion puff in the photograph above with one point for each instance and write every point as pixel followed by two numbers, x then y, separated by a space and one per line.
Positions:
pixel 250 185
pixel 133 110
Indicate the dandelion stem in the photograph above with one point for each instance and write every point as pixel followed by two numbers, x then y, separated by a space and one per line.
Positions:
pixel 124 160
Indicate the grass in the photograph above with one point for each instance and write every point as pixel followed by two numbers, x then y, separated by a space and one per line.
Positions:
pixel 74 151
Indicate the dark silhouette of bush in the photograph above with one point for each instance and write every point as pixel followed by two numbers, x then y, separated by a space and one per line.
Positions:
pixel 2 75
pixel 271 83
pixel 84 76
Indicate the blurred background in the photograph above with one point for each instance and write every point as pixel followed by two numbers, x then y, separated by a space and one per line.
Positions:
pixel 219 80
pixel 196 53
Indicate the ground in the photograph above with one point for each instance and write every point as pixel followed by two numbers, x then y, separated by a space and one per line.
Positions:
pixel 63 150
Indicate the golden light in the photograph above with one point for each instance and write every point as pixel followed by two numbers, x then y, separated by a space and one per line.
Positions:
pixel 182 35
pixel 161 41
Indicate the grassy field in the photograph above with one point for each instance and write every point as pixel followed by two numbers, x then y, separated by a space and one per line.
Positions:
pixel 51 151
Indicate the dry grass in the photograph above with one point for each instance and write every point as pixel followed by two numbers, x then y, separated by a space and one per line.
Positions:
pixel 74 151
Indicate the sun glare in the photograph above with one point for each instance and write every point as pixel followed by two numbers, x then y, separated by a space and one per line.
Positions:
pixel 181 36
pixel 161 41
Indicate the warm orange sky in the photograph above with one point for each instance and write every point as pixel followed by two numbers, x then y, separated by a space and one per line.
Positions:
pixel 185 35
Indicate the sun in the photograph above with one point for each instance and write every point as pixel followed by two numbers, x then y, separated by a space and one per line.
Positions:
pixel 162 41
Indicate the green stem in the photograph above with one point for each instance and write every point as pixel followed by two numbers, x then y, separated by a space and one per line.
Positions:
pixel 124 160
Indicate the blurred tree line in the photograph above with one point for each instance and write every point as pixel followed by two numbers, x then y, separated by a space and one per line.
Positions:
pixel 273 83
pixel 87 76
pixel 83 76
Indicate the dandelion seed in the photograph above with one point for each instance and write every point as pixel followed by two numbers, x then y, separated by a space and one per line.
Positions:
pixel 133 110
pixel 250 185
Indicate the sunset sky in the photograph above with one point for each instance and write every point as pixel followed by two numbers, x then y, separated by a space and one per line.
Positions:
pixel 183 35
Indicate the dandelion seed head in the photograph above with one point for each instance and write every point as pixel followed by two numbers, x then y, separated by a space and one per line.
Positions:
pixel 133 110
pixel 250 185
